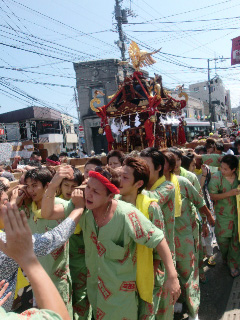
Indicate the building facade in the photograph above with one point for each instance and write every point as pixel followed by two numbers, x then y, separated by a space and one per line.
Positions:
pixel 104 76
pixel 194 109
pixel 236 114
pixel 39 124
pixel 220 98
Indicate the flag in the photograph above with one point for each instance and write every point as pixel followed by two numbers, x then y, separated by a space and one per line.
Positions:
pixel 235 56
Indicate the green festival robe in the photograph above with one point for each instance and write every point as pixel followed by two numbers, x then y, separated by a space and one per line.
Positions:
pixel 55 264
pixel 165 193
pixel 111 260
pixel 187 246
pixel 30 314
pixel 226 228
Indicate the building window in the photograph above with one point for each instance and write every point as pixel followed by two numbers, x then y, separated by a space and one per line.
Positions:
pixel 196 89
pixel 212 89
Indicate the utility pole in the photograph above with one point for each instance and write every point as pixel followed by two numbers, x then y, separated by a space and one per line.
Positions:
pixel 79 120
pixel 209 97
pixel 121 18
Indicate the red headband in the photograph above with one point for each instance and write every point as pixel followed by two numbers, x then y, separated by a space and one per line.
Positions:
pixel 57 163
pixel 111 187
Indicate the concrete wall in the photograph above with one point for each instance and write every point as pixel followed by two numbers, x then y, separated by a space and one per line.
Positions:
pixel 90 76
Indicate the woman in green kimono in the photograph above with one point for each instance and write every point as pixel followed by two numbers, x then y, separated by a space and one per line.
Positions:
pixel 223 188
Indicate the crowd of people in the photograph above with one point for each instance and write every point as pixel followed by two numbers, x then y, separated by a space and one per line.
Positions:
pixel 125 240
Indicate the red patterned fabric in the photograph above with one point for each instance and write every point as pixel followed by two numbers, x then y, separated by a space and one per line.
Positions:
pixel 109 136
pixel 148 125
pixel 181 134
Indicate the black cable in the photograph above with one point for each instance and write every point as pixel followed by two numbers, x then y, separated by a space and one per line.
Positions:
pixel 185 21
pixel 189 30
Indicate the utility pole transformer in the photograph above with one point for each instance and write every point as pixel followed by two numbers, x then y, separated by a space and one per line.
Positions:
pixel 121 18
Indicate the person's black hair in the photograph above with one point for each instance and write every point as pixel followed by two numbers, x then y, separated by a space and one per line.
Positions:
pixel 210 143
pixel 140 170
pixel 187 160
pixel 3 188
pixel 219 146
pixel 233 135
pixel 36 153
pixel 43 175
pixel 53 157
pixel 198 149
pixel 157 157
pixel 34 163
pixel 230 160
pixel 78 176
pixel 116 153
pixel 95 161
pixel 237 142
pixel 176 151
pixel 63 154
pixel 170 158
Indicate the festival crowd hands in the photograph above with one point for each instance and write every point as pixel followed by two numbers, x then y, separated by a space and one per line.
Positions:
pixel 19 247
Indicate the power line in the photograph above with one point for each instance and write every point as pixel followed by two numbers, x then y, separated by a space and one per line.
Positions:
pixel 190 11
pixel 184 21
pixel 188 30
pixel 61 23
pixel 38 82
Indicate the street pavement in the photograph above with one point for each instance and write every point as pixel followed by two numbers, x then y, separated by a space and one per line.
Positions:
pixel 215 293
pixel 218 295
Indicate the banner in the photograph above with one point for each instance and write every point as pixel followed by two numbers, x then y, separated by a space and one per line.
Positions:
pixel 235 56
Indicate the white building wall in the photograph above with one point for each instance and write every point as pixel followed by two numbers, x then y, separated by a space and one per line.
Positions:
pixel 51 137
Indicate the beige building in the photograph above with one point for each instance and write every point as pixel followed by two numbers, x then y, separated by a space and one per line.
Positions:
pixel 194 109
pixel 220 98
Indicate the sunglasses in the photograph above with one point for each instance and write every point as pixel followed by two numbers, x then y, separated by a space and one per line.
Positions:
pixel 104 173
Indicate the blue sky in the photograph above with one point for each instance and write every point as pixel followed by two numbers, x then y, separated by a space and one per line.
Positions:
pixel 41 39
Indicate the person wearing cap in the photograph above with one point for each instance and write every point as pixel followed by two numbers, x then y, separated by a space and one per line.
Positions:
pixel 111 229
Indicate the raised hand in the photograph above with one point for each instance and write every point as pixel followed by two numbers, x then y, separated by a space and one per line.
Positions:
pixel 78 198
pixel 63 172
pixel 18 244
pixel 3 288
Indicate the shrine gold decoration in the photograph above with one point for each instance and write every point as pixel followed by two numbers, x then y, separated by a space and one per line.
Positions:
pixel 153 118
pixel 139 57
pixel 183 94
pixel 95 99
